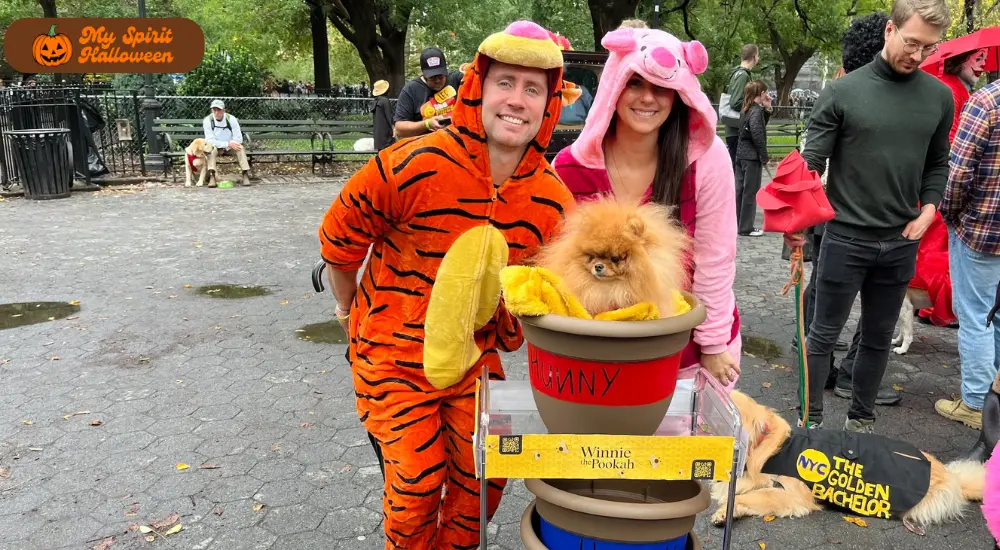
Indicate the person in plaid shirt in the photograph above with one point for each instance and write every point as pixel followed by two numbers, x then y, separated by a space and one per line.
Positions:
pixel 971 209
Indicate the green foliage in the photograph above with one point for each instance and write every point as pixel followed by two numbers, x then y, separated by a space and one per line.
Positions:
pixel 231 71
pixel 162 83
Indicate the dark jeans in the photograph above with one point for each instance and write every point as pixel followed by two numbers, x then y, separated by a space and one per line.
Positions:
pixel 748 173
pixel 880 271
pixel 731 143
pixel 809 304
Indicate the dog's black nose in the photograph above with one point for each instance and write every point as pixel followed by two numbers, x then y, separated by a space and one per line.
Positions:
pixel 599 268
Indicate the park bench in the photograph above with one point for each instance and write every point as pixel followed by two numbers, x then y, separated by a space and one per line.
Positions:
pixel 176 134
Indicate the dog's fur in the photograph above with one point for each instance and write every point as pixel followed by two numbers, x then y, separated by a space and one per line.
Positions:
pixel 915 299
pixel 951 486
pixel 200 149
pixel 613 255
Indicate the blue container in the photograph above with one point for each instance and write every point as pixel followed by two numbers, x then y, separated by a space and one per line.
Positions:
pixel 555 538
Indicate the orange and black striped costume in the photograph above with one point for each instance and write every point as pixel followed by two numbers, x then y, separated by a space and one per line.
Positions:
pixel 428 315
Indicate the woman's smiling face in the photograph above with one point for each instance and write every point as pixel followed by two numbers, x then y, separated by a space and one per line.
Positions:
pixel 642 106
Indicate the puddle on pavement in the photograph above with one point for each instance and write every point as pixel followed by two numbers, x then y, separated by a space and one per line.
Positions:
pixel 232 292
pixel 762 347
pixel 30 313
pixel 329 332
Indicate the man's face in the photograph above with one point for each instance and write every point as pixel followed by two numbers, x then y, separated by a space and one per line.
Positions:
pixel 514 100
pixel 906 47
pixel 217 112
pixel 436 83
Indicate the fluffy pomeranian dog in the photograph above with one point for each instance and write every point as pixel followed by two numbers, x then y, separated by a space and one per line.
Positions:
pixel 761 493
pixel 613 255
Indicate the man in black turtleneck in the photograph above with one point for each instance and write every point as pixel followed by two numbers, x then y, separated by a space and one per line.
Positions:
pixel 884 128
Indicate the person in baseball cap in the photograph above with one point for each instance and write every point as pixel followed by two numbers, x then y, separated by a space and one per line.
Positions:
pixel 425 102
pixel 222 130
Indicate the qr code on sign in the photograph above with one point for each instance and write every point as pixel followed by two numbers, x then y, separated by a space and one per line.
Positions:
pixel 510 444
pixel 703 469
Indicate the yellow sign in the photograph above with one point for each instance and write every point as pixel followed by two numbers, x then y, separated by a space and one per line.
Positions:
pixel 842 483
pixel 540 456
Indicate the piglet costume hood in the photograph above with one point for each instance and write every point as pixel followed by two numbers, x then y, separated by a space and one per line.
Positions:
pixel 663 60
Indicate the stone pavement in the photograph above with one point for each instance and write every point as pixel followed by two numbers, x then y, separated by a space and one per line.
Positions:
pixel 265 420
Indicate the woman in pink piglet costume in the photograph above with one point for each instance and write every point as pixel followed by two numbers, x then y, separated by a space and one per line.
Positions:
pixel 650 136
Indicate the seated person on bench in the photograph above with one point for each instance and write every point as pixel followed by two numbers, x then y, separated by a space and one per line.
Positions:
pixel 222 130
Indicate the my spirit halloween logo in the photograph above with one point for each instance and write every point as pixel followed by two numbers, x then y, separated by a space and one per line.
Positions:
pixel 110 45
pixel 842 483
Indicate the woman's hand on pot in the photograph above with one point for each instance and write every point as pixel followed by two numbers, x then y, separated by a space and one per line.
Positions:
pixel 721 366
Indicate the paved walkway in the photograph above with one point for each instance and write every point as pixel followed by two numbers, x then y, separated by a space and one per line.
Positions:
pixel 266 420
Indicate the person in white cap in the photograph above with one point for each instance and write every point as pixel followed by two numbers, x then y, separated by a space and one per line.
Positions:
pixel 222 130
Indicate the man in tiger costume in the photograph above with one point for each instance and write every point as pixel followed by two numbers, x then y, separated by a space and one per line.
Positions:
pixel 444 213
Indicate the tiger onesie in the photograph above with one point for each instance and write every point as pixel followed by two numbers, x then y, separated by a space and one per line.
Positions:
pixel 428 316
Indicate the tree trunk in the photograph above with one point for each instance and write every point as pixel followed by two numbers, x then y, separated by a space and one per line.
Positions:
pixel 377 29
pixel 970 15
pixel 607 15
pixel 48 8
pixel 793 63
pixel 321 47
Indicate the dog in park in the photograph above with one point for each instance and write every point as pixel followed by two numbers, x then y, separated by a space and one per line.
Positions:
pixel 915 299
pixel 612 254
pixel 196 159
pixel 792 472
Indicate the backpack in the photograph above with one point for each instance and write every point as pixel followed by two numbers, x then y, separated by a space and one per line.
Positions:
pixel 228 125
pixel 729 116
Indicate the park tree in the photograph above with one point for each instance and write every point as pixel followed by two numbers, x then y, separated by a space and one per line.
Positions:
pixel 377 29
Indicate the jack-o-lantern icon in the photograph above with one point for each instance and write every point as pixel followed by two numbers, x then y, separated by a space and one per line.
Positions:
pixel 52 50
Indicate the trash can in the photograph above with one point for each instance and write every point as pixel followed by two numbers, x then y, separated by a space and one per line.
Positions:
pixel 44 162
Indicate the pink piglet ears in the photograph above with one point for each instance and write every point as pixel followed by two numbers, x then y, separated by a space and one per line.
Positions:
pixel 696 56
pixel 619 40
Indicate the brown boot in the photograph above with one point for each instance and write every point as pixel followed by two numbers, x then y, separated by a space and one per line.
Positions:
pixel 246 178
pixel 211 179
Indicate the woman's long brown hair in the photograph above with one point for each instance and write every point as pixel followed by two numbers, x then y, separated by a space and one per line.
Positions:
pixel 750 92
pixel 671 153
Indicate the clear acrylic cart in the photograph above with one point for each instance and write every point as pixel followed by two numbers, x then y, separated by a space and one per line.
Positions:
pixel 701 430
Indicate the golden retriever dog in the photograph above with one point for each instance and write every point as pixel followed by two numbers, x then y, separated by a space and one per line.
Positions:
pixel 196 159
pixel 793 472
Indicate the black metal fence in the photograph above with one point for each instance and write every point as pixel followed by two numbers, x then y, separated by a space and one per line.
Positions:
pixel 271 108
pixel 107 136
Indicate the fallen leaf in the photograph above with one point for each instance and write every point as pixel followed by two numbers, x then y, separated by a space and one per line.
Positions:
pixel 856 521
pixel 275 448
pixel 96 422
pixel 197 244
pixel 187 286
pixel 284 302
pixel 346 468
pixel 36 449
pixel 75 303
pixel 74 318
pixel 218 511
pixel 945 366
pixel 160 524
pixel 768 518
pixel 766 384
pixel 897 387
pixel 150 538
pixel 209 466
pixel 71 415
pixel 105 544
pixel 171 297
pixel 4 473
pixel 27 422
pixel 182 466
pixel 305 424
pixel 52 318
pixel 761 544
pixel 257 507
pixel 133 510
pixel 175 529
pixel 180 381
pixel 54 358
pixel 134 527
pixel 145 529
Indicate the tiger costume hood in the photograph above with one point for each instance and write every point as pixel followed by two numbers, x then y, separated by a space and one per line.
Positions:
pixel 522 43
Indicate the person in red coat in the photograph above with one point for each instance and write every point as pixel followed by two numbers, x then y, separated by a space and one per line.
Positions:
pixel 960 73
